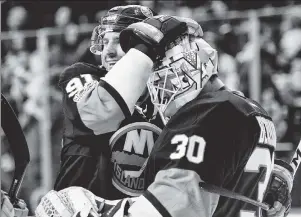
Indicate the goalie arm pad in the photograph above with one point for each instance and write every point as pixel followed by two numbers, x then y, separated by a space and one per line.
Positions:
pixel 68 203
pixel 175 193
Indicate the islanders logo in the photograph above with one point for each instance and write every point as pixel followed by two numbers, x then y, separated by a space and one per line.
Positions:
pixel 131 146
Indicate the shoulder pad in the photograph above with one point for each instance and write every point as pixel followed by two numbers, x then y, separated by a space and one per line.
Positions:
pixel 215 105
pixel 246 106
pixel 80 68
pixel 242 104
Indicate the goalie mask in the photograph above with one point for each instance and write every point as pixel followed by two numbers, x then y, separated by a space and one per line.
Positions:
pixel 117 19
pixel 188 64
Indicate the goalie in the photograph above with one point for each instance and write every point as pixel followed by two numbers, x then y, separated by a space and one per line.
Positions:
pixel 212 135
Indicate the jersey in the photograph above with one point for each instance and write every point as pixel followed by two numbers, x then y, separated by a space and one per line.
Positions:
pixel 72 82
pixel 219 138
pixel 86 155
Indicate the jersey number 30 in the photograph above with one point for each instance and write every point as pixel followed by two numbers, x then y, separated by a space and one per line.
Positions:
pixel 186 147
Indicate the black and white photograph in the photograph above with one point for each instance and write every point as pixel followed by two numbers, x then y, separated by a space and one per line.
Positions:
pixel 150 108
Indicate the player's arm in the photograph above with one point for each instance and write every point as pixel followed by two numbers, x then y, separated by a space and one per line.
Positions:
pixel 96 103
pixel 102 104
pixel 114 97
pixel 81 102
pixel 104 107
pixel 175 192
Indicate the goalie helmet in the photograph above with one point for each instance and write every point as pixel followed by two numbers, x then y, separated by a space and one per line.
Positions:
pixel 188 64
pixel 117 19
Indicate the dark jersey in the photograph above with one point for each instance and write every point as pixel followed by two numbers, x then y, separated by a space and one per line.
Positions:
pixel 72 81
pixel 86 154
pixel 227 140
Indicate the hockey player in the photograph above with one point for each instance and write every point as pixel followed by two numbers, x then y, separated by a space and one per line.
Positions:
pixel 90 114
pixel 212 135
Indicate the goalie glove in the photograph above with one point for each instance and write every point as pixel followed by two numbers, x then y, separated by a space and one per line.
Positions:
pixel 151 35
pixel 69 202
pixel 278 194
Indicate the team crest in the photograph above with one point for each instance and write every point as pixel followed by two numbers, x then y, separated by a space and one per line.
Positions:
pixel 131 146
pixel 146 11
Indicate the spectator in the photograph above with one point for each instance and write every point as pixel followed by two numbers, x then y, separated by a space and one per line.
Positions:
pixel 219 9
pixel 63 17
pixel 70 48
pixel 228 70
pixel 17 18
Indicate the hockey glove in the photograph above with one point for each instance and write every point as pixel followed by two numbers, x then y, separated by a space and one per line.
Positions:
pixel 278 194
pixel 8 210
pixel 194 29
pixel 69 202
pixel 151 35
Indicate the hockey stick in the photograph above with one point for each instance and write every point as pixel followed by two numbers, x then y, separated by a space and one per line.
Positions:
pixel 295 162
pixel 18 145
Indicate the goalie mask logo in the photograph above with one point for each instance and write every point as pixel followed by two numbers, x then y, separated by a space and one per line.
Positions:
pixel 131 146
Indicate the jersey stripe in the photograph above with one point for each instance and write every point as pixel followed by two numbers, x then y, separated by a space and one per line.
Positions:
pixel 163 211
pixel 117 97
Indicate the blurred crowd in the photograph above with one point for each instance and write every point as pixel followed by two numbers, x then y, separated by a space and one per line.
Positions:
pixel 23 68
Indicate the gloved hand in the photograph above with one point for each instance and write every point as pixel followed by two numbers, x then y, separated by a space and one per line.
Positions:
pixel 69 202
pixel 80 202
pixel 278 193
pixel 194 29
pixel 8 210
pixel 151 35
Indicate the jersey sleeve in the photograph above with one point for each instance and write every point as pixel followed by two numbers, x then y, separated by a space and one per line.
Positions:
pixel 175 193
pixel 104 103
pixel 86 103
pixel 198 149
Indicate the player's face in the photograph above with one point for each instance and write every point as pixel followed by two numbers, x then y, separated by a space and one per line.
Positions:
pixel 112 51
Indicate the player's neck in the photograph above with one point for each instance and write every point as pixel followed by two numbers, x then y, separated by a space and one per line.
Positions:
pixel 213 85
